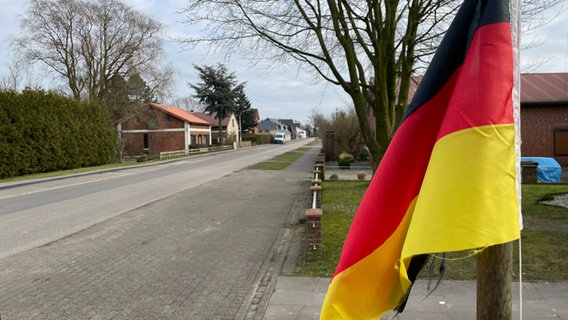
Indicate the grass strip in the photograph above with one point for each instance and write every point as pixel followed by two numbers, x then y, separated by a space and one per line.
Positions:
pixel 544 252
pixel 66 172
pixel 340 200
pixel 282 161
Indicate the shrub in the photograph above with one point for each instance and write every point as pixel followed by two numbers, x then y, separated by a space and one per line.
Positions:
pixel 257 138
pixel 345 159
pixel 44 131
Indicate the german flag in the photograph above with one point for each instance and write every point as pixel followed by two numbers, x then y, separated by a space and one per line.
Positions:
pixel 448 181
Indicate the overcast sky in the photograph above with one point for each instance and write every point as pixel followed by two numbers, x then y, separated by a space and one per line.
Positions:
pixel 286 92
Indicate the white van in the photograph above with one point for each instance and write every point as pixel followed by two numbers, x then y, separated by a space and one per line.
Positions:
pixel 279 137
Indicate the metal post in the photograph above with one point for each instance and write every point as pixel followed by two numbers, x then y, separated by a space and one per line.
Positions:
pixel 240 129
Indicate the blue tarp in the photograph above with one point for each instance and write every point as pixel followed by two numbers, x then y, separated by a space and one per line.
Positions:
pixel 548 169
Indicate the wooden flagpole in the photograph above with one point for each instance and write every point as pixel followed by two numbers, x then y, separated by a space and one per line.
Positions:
pixel 494 282
pixel 495 263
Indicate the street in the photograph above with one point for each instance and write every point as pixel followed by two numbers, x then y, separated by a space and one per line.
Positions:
pixel 35 214
pixel 198 238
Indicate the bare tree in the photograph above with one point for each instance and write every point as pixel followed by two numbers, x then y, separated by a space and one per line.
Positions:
pixel 347 134
pixel 17 77
pixel 370 48
pixel 536 14
pixel 87 43
pixel 188 103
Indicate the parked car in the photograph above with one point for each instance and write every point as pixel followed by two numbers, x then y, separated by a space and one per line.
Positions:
pixel 279 137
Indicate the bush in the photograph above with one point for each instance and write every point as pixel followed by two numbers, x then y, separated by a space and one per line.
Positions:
pixel 364 155
pixel 44 131
pixel 257 138
pixel 345 159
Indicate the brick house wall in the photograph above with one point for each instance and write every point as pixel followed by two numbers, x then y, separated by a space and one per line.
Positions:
pixel 200 135
pixel 541 127
pixel 156 141
pixel 166 141
pixel 141 134
pixel 153 131
pixel 152 120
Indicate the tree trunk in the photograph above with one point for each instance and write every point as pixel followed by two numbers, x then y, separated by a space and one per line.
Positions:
pixel 494 277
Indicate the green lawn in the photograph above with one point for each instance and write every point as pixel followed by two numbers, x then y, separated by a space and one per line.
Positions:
pixel 282 161
pixel 532 193
pixel 340 200
pixel 544 251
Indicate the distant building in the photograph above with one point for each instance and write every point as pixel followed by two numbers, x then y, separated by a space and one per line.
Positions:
pixel 301 133
pixel 544 116
pixel 256 118
pixel 271 126
pixel 290 125
pixel 230 127
pixel 158 128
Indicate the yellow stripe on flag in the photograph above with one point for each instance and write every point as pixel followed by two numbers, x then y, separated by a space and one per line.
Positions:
pixel 371 286
pixel 468 198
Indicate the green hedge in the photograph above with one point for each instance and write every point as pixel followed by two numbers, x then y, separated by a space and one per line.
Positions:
pixel 44 131
pixel 258 138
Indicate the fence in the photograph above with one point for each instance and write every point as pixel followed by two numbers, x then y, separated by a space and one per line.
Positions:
pixel 180 153
pixel 314 214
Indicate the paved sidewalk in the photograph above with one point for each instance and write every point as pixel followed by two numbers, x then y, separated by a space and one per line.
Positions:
pixel 296 298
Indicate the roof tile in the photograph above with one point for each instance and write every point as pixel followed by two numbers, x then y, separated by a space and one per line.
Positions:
pixel 181 114
pixel 211 118
pixel 544 88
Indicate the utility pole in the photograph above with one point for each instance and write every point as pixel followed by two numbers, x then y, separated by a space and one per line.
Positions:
pixel 494 281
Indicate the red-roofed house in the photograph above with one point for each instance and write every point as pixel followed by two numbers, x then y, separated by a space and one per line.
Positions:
pixel 544 116
pixel 230 126
pixel 158 128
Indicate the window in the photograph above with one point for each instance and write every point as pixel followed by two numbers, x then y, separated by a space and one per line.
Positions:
pixel 146 142
pixel 561 142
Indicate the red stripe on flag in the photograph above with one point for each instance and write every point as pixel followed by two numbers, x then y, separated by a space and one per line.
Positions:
pixel 396 182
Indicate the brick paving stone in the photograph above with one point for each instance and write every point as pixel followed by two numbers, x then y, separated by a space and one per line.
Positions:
pixel 210 252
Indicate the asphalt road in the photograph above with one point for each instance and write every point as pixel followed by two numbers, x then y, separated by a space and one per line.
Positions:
pixel 209 247
pixel 37 213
